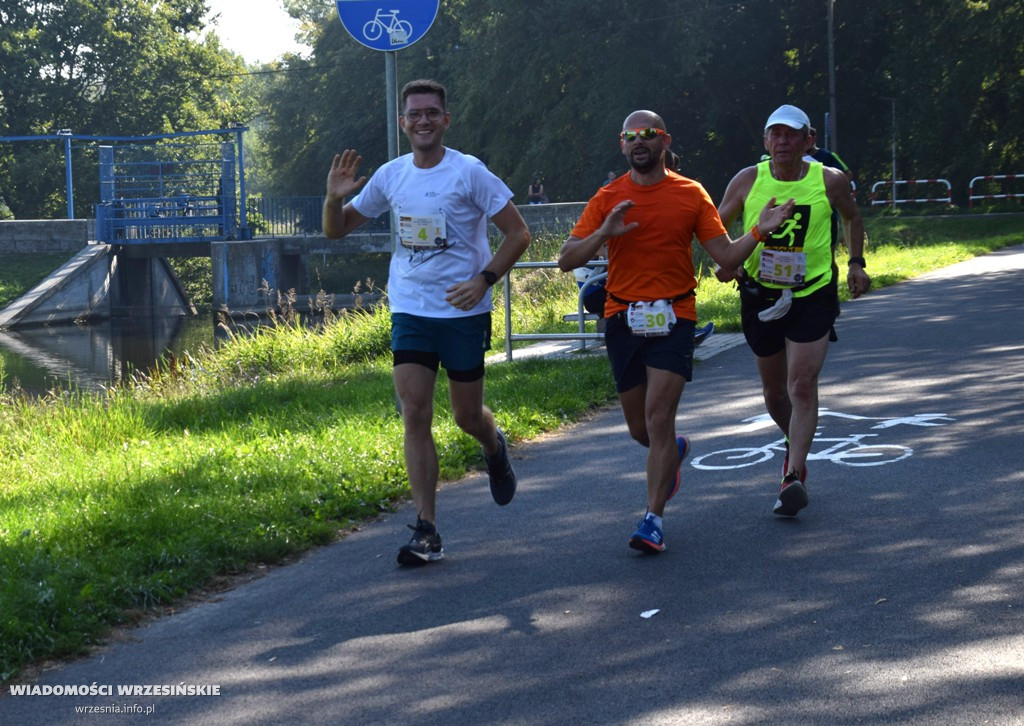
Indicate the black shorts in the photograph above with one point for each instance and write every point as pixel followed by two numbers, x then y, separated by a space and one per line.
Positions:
pixel 809 318
pixel 631 354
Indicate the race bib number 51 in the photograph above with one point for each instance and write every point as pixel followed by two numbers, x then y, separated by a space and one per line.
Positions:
pixel 782 266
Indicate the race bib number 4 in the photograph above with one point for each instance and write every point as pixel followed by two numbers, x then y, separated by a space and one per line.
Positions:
pixel 422 233
pixel 782 266
pixel 651 318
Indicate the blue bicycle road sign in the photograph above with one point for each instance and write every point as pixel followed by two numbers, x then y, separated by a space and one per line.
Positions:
pixel 387 24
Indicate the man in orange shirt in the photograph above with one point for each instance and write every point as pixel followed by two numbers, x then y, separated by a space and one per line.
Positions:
pixel 647 219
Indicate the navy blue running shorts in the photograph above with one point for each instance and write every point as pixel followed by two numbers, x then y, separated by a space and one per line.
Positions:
pixel 631 354
pixel 458 344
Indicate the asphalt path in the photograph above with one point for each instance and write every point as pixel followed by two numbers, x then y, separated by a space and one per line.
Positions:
pixel 895 597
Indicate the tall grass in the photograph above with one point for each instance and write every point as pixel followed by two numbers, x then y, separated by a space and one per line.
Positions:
pixel 116 503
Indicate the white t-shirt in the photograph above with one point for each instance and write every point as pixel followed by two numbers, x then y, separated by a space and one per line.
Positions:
pixel 441 239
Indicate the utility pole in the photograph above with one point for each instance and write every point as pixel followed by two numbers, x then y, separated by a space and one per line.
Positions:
pixel 833 142
pixel 893 102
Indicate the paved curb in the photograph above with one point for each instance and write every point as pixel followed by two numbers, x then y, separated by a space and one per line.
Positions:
pixel 717 343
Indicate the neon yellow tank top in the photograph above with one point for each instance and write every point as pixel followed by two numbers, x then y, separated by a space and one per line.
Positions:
pixel 809 229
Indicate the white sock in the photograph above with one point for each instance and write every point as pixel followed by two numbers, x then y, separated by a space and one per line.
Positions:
pixel 654 518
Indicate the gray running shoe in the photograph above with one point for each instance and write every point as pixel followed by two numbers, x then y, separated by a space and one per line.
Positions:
pixel 424 547
pixel 499 470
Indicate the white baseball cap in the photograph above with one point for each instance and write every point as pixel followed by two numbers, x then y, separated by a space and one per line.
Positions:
pixel 789 116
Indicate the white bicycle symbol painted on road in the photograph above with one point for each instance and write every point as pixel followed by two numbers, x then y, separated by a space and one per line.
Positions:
pixel 398 30
pixel 851 450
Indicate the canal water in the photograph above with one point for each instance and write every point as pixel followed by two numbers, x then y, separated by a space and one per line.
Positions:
pixel 91 357
pixel 96 355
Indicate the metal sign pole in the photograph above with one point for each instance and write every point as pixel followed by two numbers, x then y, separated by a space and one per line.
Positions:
pixel 833 141
pixel 68 184
pixel 391 88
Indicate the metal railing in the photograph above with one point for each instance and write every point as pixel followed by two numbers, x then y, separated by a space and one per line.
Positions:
pixel 913 185
pixel 1007 194
pixel 582 335
pixel 298 217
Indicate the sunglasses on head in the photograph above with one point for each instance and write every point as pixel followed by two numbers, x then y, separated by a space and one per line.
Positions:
pixel 632 134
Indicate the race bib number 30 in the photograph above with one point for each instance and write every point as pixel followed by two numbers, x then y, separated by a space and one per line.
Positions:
pixel 422 233
pixel 651 318
pixel 782 266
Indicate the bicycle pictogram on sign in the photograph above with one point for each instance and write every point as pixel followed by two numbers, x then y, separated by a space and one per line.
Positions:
pixel 387 25
pixel 851 450
pixel 399 31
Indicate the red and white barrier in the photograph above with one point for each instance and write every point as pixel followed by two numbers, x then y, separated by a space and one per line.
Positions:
pixel 993 177
pixel 911 184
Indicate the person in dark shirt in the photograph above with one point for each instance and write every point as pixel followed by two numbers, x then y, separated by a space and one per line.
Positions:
pixel 830 158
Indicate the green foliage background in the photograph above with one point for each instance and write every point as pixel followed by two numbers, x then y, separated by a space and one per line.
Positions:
pixel 543 87
pixel 103 67
pixel 536 87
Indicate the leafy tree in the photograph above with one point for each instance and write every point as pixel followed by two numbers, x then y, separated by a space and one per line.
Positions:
pixel 103 67
pixel 538 87
pixel 957 112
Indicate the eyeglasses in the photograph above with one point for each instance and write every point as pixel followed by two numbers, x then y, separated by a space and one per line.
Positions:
pixel 631 134
pixel 431 114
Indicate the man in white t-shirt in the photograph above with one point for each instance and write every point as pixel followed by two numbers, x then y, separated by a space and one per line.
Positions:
pixel 439 283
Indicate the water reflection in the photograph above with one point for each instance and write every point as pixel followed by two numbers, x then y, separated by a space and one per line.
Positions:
pixel 89 357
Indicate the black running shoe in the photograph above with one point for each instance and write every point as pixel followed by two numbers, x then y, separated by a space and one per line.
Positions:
pixel 499 470
pixel 792 496
pixel 424 547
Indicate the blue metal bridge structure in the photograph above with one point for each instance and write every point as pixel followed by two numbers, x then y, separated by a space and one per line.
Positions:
pixel 168 193
pixel 184 195
pixel 185 187
pixel 178 187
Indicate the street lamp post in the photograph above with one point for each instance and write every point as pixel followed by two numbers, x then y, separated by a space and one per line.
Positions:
pixel 831 141
pixel 893 102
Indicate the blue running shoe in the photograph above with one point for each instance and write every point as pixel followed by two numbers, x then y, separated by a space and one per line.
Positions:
pixel 648 537
pixel 684 448
pixel 702 334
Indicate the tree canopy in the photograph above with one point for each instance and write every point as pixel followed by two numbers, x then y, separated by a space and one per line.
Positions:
pixel 103 67
pixel 542 87
pixel 539 87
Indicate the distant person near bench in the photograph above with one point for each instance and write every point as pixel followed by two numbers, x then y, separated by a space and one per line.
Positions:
pixel 647 219
pixel 535 194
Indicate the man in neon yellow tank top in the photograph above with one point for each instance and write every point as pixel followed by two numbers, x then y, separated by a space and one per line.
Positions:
pixel 789 285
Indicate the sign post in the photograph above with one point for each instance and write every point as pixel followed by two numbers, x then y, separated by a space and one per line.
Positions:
pixel 390 27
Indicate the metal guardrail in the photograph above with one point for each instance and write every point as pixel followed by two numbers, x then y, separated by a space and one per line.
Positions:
pixel 581 336
pixel 298 217
pixel 972 197
pixel 911 184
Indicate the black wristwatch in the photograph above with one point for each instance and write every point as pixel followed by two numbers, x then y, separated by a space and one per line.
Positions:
pixel 489 276
pixel 858 260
